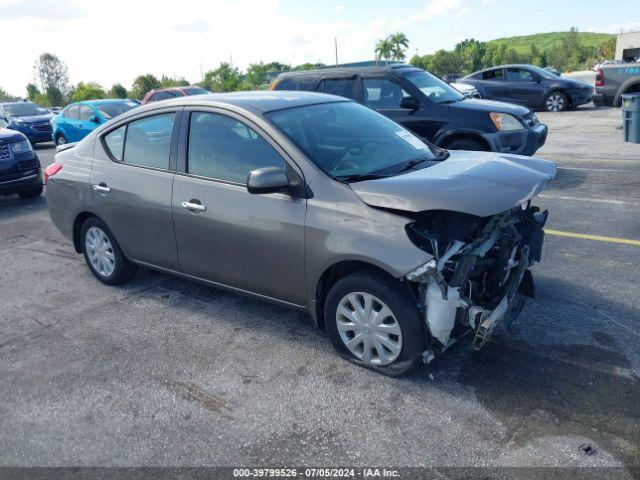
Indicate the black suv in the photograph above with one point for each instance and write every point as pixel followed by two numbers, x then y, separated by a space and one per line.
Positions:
pixel 428 106
pixel 20 170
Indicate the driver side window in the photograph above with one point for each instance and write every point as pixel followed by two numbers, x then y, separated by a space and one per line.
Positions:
pixel 224 148
pixel 382 93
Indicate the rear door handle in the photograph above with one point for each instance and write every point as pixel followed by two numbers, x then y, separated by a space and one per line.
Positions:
pixel 198 207
pixel 102 188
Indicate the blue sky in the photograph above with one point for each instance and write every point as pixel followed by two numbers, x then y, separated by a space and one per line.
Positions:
pixel 100 43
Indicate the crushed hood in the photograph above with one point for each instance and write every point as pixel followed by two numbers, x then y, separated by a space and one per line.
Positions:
pixel 477 183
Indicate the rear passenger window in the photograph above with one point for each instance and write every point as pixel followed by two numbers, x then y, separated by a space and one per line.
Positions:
pixel 115 142
pixel 343 87
pixel 148 141
pixel 296 83
pixel 493 75
pixel 223 148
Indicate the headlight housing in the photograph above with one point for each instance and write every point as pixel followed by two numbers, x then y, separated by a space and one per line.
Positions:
pixel 21 147
pixel 505 122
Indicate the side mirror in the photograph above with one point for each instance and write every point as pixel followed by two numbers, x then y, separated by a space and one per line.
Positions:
pixel 94 119
pixel 410 103
pixel 267 180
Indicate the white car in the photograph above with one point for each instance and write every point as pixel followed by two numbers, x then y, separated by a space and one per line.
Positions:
pixel 469 91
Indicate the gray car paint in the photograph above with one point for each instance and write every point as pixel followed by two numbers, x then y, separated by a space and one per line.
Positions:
pixel 478 183
pixel 270 248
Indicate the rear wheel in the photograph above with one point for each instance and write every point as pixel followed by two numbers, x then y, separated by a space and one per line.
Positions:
pixel 556 102
pixel 36 192
pixel 103 254
pixel 373 321
pixel 467 144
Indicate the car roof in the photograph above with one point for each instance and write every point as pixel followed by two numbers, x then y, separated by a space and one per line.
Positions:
pixel 349 70
pixel 260 101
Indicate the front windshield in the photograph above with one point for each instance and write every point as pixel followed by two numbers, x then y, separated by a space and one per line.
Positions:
pixel 435 89
pixel 23 109
pixel 348 140
pixel 195 91
pixel 113 109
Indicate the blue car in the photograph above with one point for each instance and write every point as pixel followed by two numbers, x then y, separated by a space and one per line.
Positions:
pixel 79 119
pixel 27 118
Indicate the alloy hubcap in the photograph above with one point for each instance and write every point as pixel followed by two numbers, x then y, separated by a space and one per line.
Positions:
pixel 368 328
pixel 555 103
pixel 100 251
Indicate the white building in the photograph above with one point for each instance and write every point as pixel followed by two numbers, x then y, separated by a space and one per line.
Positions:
pixel 628 46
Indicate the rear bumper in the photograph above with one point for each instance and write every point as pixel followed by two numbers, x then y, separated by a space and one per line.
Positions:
pixel 602 100
pixel 519 142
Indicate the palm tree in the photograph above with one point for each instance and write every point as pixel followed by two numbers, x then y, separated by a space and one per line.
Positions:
pixel 399 43
pixel 384 49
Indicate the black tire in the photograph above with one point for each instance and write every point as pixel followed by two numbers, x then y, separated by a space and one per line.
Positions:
pixel 123 269
pixel 60 139
pixel 556 102
pixel 398 299
pixel 467 144
pixel 36 192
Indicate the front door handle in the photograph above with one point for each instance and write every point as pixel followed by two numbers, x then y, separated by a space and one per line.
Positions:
pixel 197 207
pixel 102 188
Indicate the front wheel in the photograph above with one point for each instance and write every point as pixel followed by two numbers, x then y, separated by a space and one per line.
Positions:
pixel 60 139
pixel 556 102
pixel 373 321
pixel 103 254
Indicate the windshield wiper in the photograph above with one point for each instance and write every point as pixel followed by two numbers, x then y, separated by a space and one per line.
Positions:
pixel 359 177
pixel 412 163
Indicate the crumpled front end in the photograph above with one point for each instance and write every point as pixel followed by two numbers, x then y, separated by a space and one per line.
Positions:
pixel 480 271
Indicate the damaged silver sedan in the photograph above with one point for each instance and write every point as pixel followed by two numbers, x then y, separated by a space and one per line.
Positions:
pixel 396 247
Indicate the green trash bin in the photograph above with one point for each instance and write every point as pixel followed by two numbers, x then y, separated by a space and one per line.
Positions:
pixel 631 117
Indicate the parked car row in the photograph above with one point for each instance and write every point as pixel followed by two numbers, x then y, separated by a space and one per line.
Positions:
pixel 428 106
pixel 240 190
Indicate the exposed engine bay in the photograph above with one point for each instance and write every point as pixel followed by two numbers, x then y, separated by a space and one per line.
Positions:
pixel 480 273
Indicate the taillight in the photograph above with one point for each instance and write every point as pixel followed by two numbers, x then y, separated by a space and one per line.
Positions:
pixel 51 170
pixel 599 78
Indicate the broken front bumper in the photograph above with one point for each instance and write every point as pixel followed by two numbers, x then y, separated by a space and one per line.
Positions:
pixel 477 285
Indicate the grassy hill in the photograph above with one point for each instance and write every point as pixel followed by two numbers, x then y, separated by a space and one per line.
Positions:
pixel 544 41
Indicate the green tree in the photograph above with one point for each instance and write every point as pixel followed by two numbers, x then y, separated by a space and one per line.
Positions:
pixel 173 82
pixel 384 50
pixel 400 43
pixel 86 91
pixel 54 78
pixel 225 78
pixel 118 91
pixel 472 53
pixel 443 62
pixel 32 91
pixel 142 84
pixel 308 66
pixel 4 95
pixel 277 67
pixel 256 75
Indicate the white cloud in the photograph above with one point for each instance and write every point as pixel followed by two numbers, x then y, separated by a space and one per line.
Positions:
pixel 440 7
pixel 339 8
pixel 616 28
pixel 39 9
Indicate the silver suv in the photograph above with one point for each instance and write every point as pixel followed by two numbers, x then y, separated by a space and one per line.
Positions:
pixel 396 247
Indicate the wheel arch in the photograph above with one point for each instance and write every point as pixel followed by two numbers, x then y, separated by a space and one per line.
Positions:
pixel 451 136
pixel 77 227
pixel 630 86
pixel 334 273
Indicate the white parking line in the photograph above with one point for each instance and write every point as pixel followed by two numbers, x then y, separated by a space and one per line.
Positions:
pixel 618 170
pixel 594 200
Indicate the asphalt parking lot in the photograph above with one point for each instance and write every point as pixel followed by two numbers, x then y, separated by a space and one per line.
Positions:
pixel 167 372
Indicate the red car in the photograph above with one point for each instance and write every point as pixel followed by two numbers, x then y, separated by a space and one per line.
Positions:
pixel 158 94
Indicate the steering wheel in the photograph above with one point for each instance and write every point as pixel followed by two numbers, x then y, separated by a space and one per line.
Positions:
pixel 351 151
